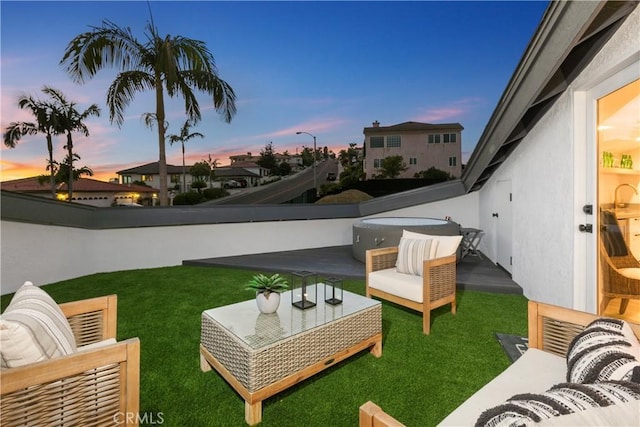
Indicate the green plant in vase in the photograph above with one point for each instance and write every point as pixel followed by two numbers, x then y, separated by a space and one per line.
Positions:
pixel 267 289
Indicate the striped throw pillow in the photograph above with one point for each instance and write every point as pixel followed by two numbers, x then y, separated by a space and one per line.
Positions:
pixel 33 328
pixel 411 255
pixel 605 350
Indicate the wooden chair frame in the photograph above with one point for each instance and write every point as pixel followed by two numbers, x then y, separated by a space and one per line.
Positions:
pixel 438 284
pixel 551 329
pixel 99 387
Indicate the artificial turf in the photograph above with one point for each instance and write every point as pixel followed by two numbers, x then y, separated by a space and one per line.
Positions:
pixel 418 380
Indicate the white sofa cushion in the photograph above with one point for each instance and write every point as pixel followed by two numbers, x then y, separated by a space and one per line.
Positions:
pixel 33 328
pixel 411 255
pixel 446 245
pixel 534 372
pixel 403 285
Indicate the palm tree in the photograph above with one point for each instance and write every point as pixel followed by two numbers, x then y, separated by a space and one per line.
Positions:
pixel 175 65
pixel 182 138
pixel 45 124
pixel 68 120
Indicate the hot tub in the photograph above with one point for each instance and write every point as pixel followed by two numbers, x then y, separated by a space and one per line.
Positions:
pixel 374 233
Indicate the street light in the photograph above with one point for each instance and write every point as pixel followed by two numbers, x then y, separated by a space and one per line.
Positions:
pixel 315 183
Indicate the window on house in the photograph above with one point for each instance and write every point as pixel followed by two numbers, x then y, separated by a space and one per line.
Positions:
pixel 376 141
pixel 413 161
pixel 126 179
pixel 146 178
pixel 377 163
pixel 434 138
pixel 449 137
pixel 393 141
pixel 175 178
pixel 452 161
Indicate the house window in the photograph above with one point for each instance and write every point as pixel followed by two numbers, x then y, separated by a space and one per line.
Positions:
pixel 452 161
pixel 175 178
pixel 376 141
pixel 434 138
pixel 449 137
pixel 146 178
pixel 393 141
pixel 413 161
pixel 126 179
pixel 377 163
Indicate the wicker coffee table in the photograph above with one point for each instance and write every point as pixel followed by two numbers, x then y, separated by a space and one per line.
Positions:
pixel 260 355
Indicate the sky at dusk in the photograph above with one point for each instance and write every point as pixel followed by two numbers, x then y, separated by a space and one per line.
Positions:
pixel 329 68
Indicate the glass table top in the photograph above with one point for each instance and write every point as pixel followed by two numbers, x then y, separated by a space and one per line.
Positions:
pixel 259 330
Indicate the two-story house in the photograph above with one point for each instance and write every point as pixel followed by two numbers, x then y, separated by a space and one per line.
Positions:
pixel 421 145
pixel 150 175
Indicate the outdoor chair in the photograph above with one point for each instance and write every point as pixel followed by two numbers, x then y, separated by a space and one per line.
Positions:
pixel 97 384
pixel 620 269
pixel 423 287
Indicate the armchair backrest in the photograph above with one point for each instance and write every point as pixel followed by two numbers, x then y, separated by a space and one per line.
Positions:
pixel 611 235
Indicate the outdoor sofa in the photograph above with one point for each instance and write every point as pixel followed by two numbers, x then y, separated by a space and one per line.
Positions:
pixel 530 378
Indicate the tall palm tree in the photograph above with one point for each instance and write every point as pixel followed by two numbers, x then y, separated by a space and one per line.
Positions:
pixel 68 120
pixel 45 123
pixel 182 138
pixel 172 64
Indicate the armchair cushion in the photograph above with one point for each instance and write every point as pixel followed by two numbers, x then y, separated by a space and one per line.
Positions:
pixel 33 328
pixel 606 350
pixel 403 285
pixel 445 246
pixel 411 255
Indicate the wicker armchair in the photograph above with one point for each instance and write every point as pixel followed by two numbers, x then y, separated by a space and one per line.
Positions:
pixel 620 269
pixel 97 387
pixel 438 283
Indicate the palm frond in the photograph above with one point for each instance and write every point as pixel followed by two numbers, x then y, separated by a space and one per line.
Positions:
pixel 122 91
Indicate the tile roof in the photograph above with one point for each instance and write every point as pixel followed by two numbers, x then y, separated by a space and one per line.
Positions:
pixel 152 169
pixel 415 126
pixel 87 185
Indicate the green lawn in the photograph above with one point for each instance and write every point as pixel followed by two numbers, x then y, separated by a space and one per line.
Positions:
pixel 419 379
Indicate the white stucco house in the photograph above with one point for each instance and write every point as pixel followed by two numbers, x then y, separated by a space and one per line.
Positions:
pixel 534 184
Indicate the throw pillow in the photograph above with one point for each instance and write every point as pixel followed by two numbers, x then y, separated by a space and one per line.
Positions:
pixel 411 255
pixel 33 328
pixel 446 245
pixel 605 350
pixel 559 400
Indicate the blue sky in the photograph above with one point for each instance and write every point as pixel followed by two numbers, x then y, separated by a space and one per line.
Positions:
pixel 327 68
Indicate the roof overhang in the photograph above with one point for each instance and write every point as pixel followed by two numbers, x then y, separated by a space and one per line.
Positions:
pixel 568 37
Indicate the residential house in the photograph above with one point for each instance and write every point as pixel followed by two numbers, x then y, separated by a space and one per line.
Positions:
pixel 294 160
pixel 421 146
pixel 86 191
pixel 534 184
pixel 150 174
pixel 249 174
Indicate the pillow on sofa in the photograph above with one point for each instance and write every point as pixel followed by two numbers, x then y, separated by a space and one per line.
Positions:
pixel 446 245
pixel 605 350
pixel 560 400
pixel 33 328
pixel 411 255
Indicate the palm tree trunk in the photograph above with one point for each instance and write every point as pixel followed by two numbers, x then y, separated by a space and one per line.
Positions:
pixel 70 178
pixel 52 177
pixel 162 160
pixel 184 171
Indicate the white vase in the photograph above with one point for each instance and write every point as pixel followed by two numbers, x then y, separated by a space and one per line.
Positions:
pixel 268 305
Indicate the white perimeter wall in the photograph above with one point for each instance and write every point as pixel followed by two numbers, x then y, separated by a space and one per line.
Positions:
pixel 46 254
pixel 547 198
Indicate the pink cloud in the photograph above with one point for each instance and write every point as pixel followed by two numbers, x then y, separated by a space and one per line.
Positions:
pixel 452 111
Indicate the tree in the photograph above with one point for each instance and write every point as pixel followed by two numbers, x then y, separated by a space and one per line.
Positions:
pixel 69 120
pixel 284 168
pixel 182 138
pixel 268 160
pixel 44 124
pixel 307 156
pixel 66 170
pixel 174 65
pixel 434 173
pixel 352 170
pixel 392 166
pixel 213 164
pixel 200 171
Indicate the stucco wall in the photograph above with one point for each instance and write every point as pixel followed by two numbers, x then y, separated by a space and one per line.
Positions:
pixel 547 193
